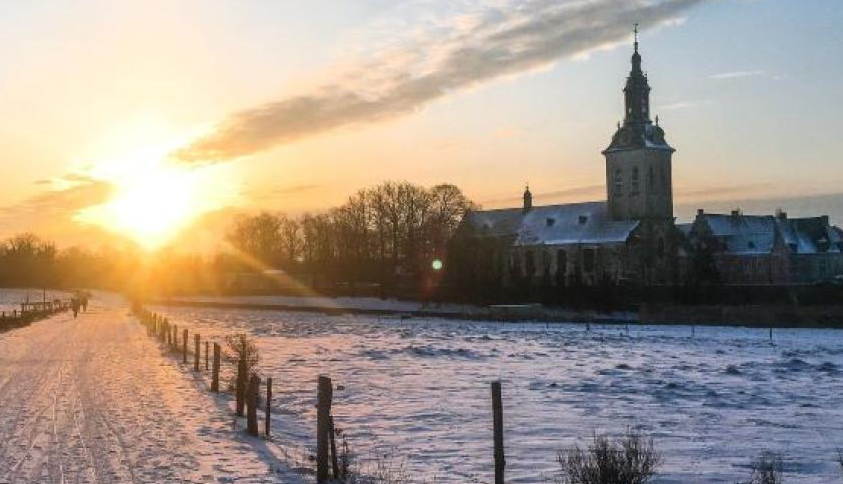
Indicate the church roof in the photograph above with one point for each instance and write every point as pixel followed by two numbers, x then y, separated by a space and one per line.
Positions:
pixel 574 223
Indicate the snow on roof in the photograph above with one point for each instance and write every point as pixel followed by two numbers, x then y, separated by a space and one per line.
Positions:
pixel 756 234
pixel 575 223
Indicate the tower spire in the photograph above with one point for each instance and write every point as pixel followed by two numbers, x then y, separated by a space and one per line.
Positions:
pixel 635 31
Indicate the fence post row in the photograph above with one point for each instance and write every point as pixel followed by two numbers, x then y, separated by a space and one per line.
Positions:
pixel 196 339
pixel 215 374
pixel 497 417
pixel 252 405
pixel 184 347
pixel 324 394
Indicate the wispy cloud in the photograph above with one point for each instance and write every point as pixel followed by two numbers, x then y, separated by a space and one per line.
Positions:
pixel 684 105
pixel 736 75
pixel 488 41
pixel 569 194
pixel 51 212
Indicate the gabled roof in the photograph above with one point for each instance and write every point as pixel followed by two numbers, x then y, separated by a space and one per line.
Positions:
pixel 575 223
pixel 757 234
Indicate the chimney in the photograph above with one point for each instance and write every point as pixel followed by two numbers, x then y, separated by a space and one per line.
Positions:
pixel 700 212
pixel 781 214
pixel 825 220
pixel 736 213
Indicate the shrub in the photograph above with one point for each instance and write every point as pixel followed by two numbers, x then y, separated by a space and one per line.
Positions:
pixel 239 346
pixel 629 460
pixel 767 469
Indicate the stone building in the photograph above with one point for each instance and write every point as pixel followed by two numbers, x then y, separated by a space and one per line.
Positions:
pixel 767 249
pixel 629 237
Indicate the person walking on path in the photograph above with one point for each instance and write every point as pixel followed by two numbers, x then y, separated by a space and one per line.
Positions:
pixel 74 303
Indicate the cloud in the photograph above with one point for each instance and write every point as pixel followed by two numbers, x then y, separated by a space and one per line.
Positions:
pixel 51 212
pixel 497 39
pixel 684 105
pixel 736 75
pixel 576 193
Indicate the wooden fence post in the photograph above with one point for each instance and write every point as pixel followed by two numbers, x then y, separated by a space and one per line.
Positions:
pixel 184 347
pixel 215 374
pixel 252 405
pixel 206 354
pixel 196 339
pixel 268 413
pixel 323 413
pixel 240 388
pixel 497 416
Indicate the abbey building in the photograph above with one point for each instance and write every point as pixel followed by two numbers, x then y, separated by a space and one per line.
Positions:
pixel 631 236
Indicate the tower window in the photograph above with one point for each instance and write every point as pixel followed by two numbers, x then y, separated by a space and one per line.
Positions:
pixel 651 178
pixel 663 179
pixel 634 180
pixel 618 181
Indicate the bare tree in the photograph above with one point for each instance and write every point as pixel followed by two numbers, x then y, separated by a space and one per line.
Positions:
pixel 257 236
pixel 629 460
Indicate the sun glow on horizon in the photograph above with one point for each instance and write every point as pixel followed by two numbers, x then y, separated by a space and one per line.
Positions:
pixel 155 198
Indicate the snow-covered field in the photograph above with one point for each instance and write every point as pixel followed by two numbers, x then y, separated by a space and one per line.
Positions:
pixel 419 389
pixel 94 400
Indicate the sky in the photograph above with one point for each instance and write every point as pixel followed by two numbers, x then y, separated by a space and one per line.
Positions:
pixel 139 117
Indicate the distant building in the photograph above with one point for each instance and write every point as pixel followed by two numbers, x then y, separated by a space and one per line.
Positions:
pixel 767 249
pixel 630 236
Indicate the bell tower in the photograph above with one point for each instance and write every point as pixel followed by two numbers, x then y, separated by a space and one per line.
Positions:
pixel 638 159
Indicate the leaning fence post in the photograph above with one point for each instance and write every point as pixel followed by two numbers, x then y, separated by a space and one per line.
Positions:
pixel 252 408
pixel 184 347
pixel 323 413
pixel 497 417
pixel 206 354
pixel 268 413
pixel 215 374
pixel 241 384
pixel 196 340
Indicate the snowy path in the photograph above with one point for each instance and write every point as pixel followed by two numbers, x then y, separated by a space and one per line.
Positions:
pixel 94 400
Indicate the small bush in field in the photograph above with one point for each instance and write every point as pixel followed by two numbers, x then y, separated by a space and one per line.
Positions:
pixel 767 469
pixel 239 346
pixel 630 459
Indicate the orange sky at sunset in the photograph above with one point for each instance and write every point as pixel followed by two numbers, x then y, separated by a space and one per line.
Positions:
pixel 139 119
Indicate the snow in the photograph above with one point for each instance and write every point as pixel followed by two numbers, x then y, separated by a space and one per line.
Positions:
pixel 95 400
pixel 712 399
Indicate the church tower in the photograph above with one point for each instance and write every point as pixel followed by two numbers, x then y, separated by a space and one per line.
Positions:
pixel 638 160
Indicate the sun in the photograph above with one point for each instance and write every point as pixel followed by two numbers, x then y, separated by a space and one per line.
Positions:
pixel 154 199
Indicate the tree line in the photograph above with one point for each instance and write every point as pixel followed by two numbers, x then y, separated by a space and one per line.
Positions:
pixel 384 237
pixel 390 235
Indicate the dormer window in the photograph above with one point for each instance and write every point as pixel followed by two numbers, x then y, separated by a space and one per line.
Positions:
pixel 583 219
pixel 550 222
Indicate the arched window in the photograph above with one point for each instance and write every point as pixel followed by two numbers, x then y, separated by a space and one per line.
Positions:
pixel 634 189
pixel 663 178
pixel 618 181
pixel 660 247
pixel 561 262
pixel 651 178
pixel 530 263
